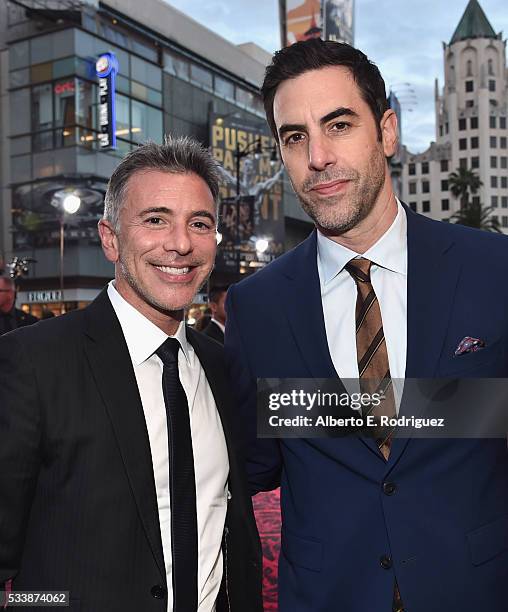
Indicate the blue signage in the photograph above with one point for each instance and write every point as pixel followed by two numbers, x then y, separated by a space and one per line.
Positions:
pixel 106 69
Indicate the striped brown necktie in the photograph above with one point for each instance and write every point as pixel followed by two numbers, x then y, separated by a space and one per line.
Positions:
pixel 373 367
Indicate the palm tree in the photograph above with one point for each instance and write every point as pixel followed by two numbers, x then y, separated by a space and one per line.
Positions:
pixel 462 182
pixel 476 215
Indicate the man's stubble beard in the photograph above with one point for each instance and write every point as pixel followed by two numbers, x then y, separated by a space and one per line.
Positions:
pixel 339 214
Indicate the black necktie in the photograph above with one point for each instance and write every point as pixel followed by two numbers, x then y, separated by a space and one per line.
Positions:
pixel 184 530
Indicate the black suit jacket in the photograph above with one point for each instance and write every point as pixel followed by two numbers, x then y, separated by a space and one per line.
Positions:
pixel 78 507
pixel 212 330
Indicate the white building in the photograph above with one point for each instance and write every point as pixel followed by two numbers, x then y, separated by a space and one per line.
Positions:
pixel 471 124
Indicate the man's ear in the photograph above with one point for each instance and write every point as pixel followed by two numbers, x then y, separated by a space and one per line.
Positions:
pixel 109 240
pixel 389 133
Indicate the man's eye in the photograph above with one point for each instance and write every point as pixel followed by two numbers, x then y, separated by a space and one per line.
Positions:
pixel 154 220
pixel 340 126
pixel 294 138
pixel 202 225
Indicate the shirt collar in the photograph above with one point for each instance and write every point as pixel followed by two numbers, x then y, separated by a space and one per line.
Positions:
pixel 142 336
pixel 219 324
pixel 389 252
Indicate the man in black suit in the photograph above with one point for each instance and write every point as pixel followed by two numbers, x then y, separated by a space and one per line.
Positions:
pixel 10 316
pixel 215 329
pixel 119 474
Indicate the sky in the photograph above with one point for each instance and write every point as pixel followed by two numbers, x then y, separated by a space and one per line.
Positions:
pixel 403 37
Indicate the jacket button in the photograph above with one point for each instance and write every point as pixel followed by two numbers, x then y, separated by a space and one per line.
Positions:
pixel 386 562
pixel 389 488
pixel 158 591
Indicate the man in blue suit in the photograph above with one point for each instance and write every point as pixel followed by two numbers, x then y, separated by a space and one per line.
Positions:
pixel 371 525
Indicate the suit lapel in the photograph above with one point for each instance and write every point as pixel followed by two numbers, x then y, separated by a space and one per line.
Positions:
pixel 113 372
pixel 432 277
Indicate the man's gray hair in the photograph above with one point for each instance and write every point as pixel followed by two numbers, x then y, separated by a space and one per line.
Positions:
pixel 181 155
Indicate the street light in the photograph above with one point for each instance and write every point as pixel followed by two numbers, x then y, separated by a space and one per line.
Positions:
pixel 68 202
pixel 261 245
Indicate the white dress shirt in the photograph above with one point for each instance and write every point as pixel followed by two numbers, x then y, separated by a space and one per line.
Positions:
pixel 338 295
pixel 220 325
pixel 211 465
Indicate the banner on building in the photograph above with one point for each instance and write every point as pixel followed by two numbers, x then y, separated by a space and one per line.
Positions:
pixel 106 68
pixel 259 213
pixel 327 19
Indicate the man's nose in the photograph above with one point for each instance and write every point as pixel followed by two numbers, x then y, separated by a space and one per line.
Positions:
pixel 321 153
pixel 178 239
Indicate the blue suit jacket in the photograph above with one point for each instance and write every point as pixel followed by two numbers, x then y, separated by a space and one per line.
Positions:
pixel 445 528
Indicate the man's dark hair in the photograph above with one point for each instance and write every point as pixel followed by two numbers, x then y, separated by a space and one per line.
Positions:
pixel 216 292
pixel 313 54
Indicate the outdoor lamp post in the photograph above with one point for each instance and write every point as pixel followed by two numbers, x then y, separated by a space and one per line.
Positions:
pixel 68 203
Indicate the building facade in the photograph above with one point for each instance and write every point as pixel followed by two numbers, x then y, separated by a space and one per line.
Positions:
pixel 471 124
pixel 173 76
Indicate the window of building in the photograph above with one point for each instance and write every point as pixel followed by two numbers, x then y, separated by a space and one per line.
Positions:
pixel 444 185
pixel 224 88
pixel 469 86
pixel 469 68
pixel 502 142
pixel 494 201
pixel 176 66
pixel 493 161
pixel 411 169
pixel 42 107
pixel 493 102
pixel 503 161
pixel 413 206
pixel 146 122
pixel 504 182
pixel 493 142
pixel 426 206
pixel 474 123
pixel 425 167
pixel 475 162
pixel 19 55
pixel 440 130
pixel 504 201
pixel 492 85
pixel 504 221
pixel 495 218
pixel 146 73
pixel 462 144
pixel 502 123
pixel 476 200
pixel 244 97
pixel 463 162
pixel 412 188
pixel 445 204
pixel 447 127
pixel 201 75
pixel 444 165
pixel 469 103
pixel 425 187
pixel 493 182
pixel 490 67
pixel 41 72
pixel 474 142
pixel 19 78
pixel 492 122
pixel 462 124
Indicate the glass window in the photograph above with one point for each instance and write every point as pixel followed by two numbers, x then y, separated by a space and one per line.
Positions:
pixel 490 67
pixel 413 206
pixel 463 162
pixel 494 201
pixel 474 123
pixel 65 106
pixel 462 124
pixel 493 161
pixel 425 186
pixel 502 142
pixel 503 162
pixel 425 167
pixel 52 46
pixel 444 185
pixel 18 78
pixel 20 111
pixel 84 68
pixel 141 49
pixel 63 67
pixel 224 88
pixel 412 169
pixel 122 116
pixel 146 122
pixel 469 68
pixel 492 121
pixel 412 188
pixel 492 85
pixel 176 66
pixel 474 142
pixel 504 182
pixel 145 73
pixel 244 97
pixel 475 162
pixel 201 75
pixel 19 55
pixel 21 168
pixel 20 145
pixel 462 144
pixel 469 86
pixel 504 221
pixel 493 182
pixel 504 201
pixel 502 123
pixel 86 103
pixel 42 141
pixel 444 165
pixel 42 107
pixel 445 204
pixel 41 72
pixel 426 206
pixel 493 142
pixel 469 103
pixel 476 200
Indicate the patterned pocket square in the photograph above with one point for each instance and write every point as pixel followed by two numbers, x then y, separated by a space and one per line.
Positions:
pixel 469 345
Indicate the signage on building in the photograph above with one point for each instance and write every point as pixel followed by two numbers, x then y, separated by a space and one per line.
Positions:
pixel 67 87
pixel 106 68
pixel 44 297
pixel 259 210
pixel 327 19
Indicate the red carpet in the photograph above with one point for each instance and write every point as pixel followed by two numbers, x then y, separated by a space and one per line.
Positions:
pixel 267 511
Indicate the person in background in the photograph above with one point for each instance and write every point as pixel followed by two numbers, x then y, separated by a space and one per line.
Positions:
pixel 217 325
pixel 11 317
